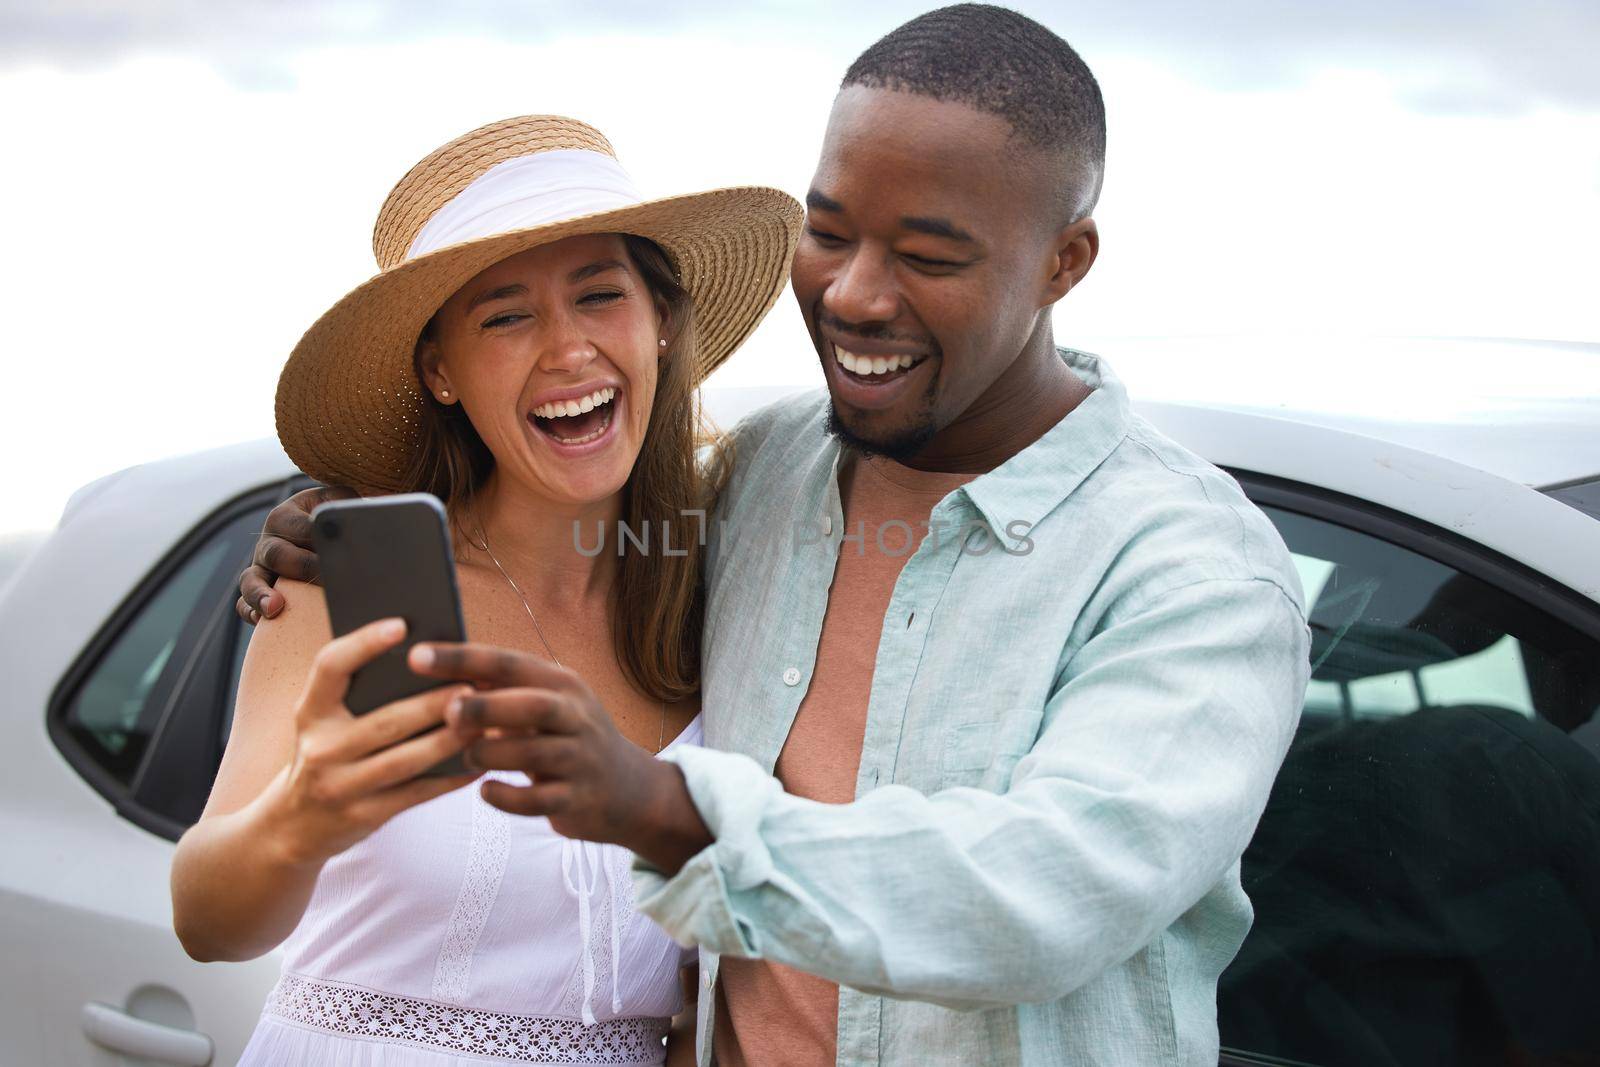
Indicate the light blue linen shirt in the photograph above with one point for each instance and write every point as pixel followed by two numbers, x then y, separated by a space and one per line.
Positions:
pixel 1086 680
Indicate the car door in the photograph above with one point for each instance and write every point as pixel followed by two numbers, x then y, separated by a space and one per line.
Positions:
pixel 1426 876
pixel 95 972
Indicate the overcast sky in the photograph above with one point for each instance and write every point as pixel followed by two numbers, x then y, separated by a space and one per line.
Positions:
pixel 190 184
pixel 1471 55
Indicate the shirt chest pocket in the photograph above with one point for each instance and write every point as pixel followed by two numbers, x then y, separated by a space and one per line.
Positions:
pixel 983 754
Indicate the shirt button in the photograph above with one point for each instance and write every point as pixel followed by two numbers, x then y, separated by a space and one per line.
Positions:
pixel 705 979
pixel 791 676
pixel 827 524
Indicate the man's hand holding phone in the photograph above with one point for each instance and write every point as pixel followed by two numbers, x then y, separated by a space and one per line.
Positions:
pixel 530 715
pixel 351 773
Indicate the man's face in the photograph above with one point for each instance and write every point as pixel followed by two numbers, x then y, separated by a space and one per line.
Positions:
pixel 927 247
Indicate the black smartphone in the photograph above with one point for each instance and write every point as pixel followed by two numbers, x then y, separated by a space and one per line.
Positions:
pixel 383 557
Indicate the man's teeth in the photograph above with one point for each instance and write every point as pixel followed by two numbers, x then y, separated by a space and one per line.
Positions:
pixel 873 364
pixel 558 409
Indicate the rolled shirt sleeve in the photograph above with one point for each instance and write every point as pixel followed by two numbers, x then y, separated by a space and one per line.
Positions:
pixel 1154 760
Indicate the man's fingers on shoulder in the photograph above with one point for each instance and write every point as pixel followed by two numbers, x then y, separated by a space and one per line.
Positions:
pixel 291 520
pixel 278 556
pixel 283 518
pixel 269 554
pixel 255 585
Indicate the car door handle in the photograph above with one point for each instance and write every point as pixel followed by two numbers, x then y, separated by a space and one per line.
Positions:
pixel 118 1031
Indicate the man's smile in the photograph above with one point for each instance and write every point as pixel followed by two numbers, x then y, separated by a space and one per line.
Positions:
pixel 875 390
pixel 875 368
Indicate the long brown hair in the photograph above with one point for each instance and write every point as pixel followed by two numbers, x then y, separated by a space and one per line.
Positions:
pixel 658 599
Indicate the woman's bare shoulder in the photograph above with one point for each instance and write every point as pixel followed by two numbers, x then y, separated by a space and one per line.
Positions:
pixel 293 636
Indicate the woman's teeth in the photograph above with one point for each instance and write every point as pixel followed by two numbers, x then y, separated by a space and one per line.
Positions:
pixel 560 409
pixel 577 421
pixel 874 364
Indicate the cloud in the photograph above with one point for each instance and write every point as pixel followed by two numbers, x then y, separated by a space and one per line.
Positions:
pixel 78 32
pixel 1446 56
pixel 1449 55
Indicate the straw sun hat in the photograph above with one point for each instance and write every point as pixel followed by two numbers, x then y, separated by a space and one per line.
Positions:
pixel 349 402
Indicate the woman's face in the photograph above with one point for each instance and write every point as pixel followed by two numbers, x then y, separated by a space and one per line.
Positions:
pixel 553 353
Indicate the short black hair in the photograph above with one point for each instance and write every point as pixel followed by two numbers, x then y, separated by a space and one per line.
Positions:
pixel 997 60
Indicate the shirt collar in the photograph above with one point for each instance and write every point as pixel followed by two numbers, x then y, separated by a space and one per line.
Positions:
pixel 1029 485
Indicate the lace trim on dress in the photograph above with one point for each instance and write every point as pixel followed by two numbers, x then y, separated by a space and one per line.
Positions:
pixel 358 1012
pixel 487 855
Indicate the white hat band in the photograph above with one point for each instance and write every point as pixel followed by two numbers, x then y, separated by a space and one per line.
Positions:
pixel 528 191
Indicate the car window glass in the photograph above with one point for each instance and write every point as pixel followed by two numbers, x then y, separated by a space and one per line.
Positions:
pixel 1426 877
pixel 112 713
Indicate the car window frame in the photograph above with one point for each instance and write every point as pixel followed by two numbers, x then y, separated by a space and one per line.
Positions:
pixel 198 632
pixel 1432 542
pixel 1426 539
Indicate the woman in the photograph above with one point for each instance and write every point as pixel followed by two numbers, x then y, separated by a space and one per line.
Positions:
pixel 529 354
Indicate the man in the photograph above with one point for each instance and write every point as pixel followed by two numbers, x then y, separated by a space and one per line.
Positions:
pixel 983 801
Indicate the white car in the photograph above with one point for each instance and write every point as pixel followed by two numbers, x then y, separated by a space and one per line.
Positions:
pixel 1424 878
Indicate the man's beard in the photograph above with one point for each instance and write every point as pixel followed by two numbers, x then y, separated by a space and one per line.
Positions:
pixel 906 443
pixel 901 447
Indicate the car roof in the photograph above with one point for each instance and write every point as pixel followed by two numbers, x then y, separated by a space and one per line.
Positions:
pixel 1528 411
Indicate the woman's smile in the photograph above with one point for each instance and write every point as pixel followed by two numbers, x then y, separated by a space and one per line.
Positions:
pixel 578 426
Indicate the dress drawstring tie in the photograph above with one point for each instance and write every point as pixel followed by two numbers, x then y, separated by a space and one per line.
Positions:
pixel 582 865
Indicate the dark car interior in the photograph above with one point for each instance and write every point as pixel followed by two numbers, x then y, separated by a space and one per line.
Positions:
pixel 1426 876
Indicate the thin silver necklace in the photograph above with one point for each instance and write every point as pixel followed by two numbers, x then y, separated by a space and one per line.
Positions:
pixel 483 535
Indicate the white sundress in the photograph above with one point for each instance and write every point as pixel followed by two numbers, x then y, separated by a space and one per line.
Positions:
pixel 459 935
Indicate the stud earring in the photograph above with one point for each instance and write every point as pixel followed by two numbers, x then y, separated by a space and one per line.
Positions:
pixel 444 394
pixel 663 342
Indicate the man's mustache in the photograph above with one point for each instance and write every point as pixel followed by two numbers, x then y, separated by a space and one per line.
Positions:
pixel 874 333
